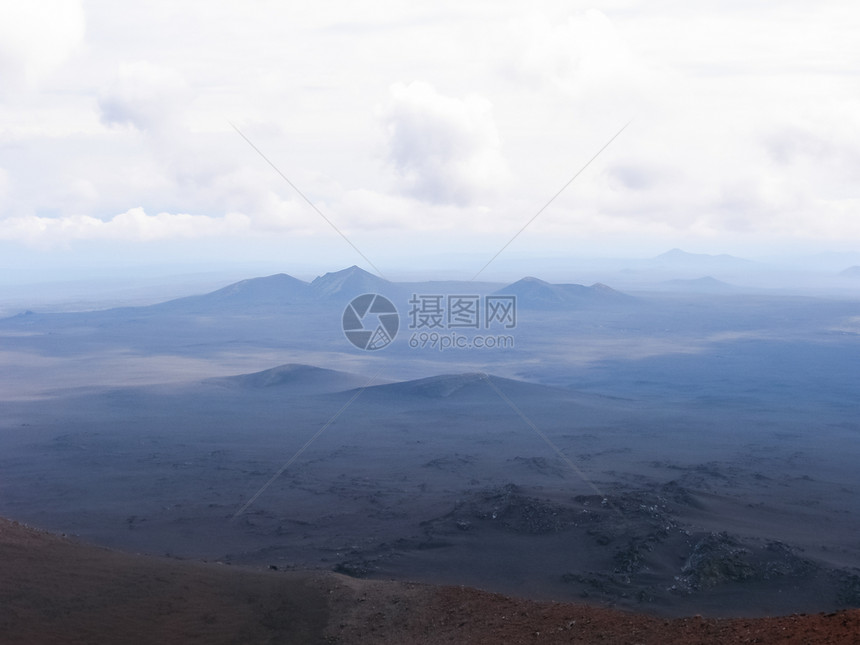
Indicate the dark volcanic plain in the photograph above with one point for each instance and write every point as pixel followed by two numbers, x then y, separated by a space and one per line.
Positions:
pixel 673 453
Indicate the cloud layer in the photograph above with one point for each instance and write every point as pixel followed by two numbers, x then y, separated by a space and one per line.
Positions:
pixel 467 118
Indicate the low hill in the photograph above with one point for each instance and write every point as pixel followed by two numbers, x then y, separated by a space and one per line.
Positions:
pixel 296 378
pixel 533 293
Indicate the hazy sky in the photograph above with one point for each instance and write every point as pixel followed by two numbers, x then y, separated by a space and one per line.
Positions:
pixel 423 128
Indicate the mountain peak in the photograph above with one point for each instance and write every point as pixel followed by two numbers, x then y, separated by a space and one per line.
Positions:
pixel 273 282
pixel 350 281
pixel 680 254
pixel 532 280
pixel 276 291
pixel 354 270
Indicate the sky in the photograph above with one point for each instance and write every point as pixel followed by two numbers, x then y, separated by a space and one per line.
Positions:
pixel 426 133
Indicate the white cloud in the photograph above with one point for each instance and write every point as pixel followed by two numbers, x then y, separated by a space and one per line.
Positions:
pixel 447 150
pixel 146 96
pixel 36 37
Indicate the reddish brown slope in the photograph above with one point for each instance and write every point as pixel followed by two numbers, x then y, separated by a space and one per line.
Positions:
pixel 53 590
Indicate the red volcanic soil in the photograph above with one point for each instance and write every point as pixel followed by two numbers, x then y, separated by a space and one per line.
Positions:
pixel 55 590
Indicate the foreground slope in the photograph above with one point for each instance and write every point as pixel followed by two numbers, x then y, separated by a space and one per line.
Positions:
pixel 54 590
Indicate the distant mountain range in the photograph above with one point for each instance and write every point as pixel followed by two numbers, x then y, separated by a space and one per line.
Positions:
pixel 280 290
pixel 276 292
pixel 677 264
pixel 851 272
pixel 679 258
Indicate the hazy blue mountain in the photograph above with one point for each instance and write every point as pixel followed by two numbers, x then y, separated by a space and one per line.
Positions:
pixel 348 283
pixel 533 293
pixel 278 292
pixel 284 293
pixel 296 378
pixel 677 258
pixel 271 291
pixel 851 272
